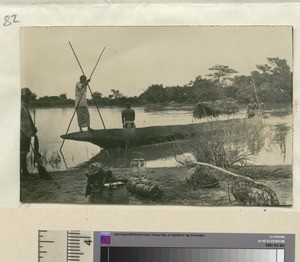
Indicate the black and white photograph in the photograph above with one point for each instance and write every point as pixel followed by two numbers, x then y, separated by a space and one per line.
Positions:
pixel 157 115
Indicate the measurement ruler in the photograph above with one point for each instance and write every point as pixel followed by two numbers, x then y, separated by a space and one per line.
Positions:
pixel 69 246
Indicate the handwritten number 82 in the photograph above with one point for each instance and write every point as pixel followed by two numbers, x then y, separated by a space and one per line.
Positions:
pixel 10 19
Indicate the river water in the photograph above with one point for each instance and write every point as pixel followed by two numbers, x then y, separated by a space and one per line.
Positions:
pixel 53 122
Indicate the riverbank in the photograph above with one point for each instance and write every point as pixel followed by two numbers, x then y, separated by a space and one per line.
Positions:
pixel 68 187
pixel 266 143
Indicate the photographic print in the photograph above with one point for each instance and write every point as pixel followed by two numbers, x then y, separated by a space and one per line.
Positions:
pixel 157 115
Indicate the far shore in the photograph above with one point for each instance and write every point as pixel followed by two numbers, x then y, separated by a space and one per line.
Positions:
pixel 158 106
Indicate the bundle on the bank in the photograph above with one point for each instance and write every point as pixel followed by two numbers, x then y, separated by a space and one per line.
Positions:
pixel 201 177
pixel 144 189
pixel 253 194
pixel 97 177
pixel 215 108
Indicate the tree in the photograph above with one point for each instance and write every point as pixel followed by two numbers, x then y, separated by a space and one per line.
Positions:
pixel 243 87
pixel 272 82
pixel 276 73
pixel 205 90
pixel 33 97
pixel 116 94
pixel 177 94
pixel 97 96
pixel 154 94
pixel 63 96
pixel 221 75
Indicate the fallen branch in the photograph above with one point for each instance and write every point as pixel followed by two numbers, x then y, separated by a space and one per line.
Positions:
pixel 227 172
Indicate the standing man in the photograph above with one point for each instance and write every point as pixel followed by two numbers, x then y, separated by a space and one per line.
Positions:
pixel 81 105
pixel 252 108
pixel 28 130
pixel 128 117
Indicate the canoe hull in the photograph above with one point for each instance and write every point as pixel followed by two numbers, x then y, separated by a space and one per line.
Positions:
pixel 121 138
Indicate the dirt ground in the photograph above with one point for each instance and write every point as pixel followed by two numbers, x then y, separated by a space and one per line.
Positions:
pixel 69 186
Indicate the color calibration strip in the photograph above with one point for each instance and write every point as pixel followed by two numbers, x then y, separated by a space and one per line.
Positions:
pixel 110 246
pixel 157 254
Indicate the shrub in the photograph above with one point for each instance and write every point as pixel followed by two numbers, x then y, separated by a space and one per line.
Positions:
pixel 215 108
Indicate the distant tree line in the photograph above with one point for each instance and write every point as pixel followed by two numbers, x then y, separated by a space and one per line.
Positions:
pixel 270 82
pixel 52 101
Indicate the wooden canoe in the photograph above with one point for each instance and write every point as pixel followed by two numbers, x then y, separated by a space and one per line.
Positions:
pixel 120 138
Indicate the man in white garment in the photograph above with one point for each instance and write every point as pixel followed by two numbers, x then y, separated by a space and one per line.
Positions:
pixel 81 105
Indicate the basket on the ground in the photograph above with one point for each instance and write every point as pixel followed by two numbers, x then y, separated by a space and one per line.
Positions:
pixel 254 194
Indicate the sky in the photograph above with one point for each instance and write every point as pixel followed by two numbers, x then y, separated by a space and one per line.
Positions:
pixel 137 57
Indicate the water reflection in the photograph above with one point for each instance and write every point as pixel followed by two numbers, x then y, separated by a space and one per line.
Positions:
pixel 280 138
pixel 269 143
pixel 257 142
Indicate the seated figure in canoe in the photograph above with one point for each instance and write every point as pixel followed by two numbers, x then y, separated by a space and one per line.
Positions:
pixel 128 117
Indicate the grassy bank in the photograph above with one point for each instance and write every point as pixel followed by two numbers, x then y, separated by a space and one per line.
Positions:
pixel 69 187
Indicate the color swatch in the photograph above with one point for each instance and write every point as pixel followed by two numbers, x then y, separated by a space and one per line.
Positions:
pixel 164 254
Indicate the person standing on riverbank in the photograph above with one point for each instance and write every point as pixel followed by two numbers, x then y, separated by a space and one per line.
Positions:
pixel 252 108
pixel 128 117
pixel 81 105
pixel 28 130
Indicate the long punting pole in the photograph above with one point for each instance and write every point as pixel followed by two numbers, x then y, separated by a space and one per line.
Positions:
pixel 82 92
pixel 90 78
